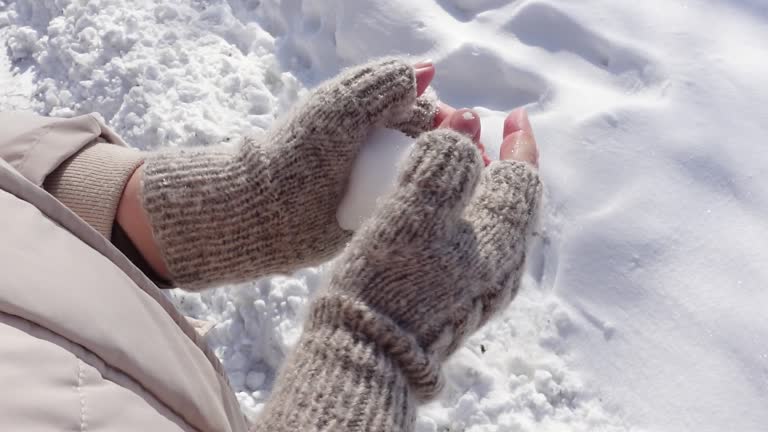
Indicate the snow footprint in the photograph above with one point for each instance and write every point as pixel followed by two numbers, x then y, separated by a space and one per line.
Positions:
pixel 481 84
pixel 533 25
pixel 465 10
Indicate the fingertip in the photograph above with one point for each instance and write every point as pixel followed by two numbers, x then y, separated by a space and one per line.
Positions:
pixel 517 120
pixel 520 146
pixel 423 64
pixel 466 122
pixel 424 76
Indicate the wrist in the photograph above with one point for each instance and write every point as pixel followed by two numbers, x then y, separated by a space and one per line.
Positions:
pixel 135 223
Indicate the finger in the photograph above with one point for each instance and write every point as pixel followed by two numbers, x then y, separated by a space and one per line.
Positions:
pixel 520 146
pixel 517 120
pixel 425 73
pixel 470 122
pixel 502 214
pixel 435 184
pixel 443 112
pixel 443 166
pixel 519 142
pixel 465 121
pixel 505 204
pixel 510 190
pixel 419 117
pixel 363 97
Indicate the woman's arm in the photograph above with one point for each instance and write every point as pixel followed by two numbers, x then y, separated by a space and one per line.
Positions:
pixel 211 215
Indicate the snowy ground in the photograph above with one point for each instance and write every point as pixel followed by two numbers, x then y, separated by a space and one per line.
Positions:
pixel 644 307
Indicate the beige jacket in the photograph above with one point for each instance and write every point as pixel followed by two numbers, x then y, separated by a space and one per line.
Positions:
pixel 87 341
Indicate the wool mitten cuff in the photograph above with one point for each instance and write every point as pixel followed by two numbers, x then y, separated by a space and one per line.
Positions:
pixel 338 380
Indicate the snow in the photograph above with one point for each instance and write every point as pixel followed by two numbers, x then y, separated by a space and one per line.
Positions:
pixel 644 303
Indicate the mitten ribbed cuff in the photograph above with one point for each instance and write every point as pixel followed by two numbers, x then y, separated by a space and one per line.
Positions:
pixel 421 369
pixel 91 182
pixel 337 380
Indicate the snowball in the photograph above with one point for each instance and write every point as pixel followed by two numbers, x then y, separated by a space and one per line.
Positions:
pixel 374 176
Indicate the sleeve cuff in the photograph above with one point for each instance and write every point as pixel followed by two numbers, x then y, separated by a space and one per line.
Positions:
pixel 91 182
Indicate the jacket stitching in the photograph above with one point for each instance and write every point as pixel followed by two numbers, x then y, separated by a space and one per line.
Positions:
pixel 81 394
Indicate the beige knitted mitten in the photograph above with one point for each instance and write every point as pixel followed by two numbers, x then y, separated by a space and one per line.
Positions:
pixel 439 257
pixel 222 214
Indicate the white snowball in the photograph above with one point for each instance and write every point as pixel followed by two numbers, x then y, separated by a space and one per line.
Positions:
pixel 374 176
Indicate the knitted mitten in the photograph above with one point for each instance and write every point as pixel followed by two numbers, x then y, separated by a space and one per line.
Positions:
pixel 438 258
pixel 222 214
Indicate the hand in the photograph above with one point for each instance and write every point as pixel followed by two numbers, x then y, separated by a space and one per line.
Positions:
pixel 443 253
pixel 217 215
